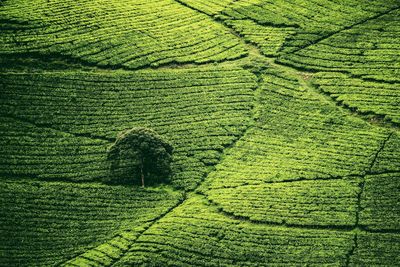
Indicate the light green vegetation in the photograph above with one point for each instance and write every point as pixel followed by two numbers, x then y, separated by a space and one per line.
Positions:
pixel 28 151
pixel 376 250
pixel 210 7
pixel 309 21
pixel 268 38
pixel 368 50
pixel 284 117
pixel 380 209
pixel 308 173
pixel 129 34
pixel 110 251
pixel 389 157
pixel 382 99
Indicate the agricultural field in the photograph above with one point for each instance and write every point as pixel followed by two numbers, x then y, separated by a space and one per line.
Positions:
pixel 284 118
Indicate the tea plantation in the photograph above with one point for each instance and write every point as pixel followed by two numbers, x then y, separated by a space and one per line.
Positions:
pixel 284 117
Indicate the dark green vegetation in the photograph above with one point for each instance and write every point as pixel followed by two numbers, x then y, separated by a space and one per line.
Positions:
pixel 48 223
pixel 139 154
pixel 58 125
pixel 284 118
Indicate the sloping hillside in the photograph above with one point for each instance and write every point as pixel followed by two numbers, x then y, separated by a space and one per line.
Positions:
pixel 284 117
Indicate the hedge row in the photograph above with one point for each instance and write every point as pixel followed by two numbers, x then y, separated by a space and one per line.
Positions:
pixel 200 110
pixel 301 164
pixel 380 209
pixel 116 33
pixel 196 234
pixel 366 97
pixel 368 50
pixel 312 20
pixel 47 223
pixel 312 203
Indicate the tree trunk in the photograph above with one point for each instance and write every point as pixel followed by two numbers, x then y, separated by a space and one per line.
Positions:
pixel 141 174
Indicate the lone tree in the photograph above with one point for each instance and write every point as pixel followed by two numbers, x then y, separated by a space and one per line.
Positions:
pixel 140 154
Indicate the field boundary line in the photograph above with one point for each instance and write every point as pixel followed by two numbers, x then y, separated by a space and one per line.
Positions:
pixel 345 28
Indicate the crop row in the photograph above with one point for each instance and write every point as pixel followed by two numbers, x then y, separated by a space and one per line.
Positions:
pixel 108 252
pixel 299 136
pixel 121 33
pixel 209 7
pixel 380 202
pixel 30 151
pixel 368 50
pixel 388 159
pixel 326 202
pixel 374 249
pixel 312 19
pixel 269 39
pixel 365 96
pixel 200 110
pixel 47 223
pixel 195 234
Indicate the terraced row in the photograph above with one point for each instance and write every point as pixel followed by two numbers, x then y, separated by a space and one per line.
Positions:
pixel 44 224
pixel 367 97
pixel 269 39
pixel 200 110
pixel 293 24
pixel 114 33
pixel 196 234
pixel 109 252
pixel 368 50
pixel 361 41
pixel 235 222
pixel 389 158
pixel 304 162
pixel 210 7
pixel 28 151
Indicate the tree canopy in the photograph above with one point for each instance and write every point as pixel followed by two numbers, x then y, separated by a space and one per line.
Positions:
pixel 140 156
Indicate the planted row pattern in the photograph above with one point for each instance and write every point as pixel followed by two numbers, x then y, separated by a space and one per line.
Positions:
pixel 44 224
pixel 301 164
pixel 296 23
pixel 129 34
pixel 368 50
pixel 195 234
pixel 200 110
pixel 367 97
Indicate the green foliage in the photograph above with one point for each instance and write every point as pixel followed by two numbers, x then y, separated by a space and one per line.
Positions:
pixel 123 33
pixel 276 167
pixel 367 50
pixel 197 234
pixel 309 20
pixel 388 159
pixel 210 7
pixel 106 253
pixel 376 249
pixel 29 151
pixel 367 97
pixel 200 110
pixel 380 209
pixel 309 203
pixel 47 223
pixel 268 38
pixel 302 162
pixel 139 155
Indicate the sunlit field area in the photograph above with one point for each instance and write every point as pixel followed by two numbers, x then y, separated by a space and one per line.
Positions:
pixel 199 133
